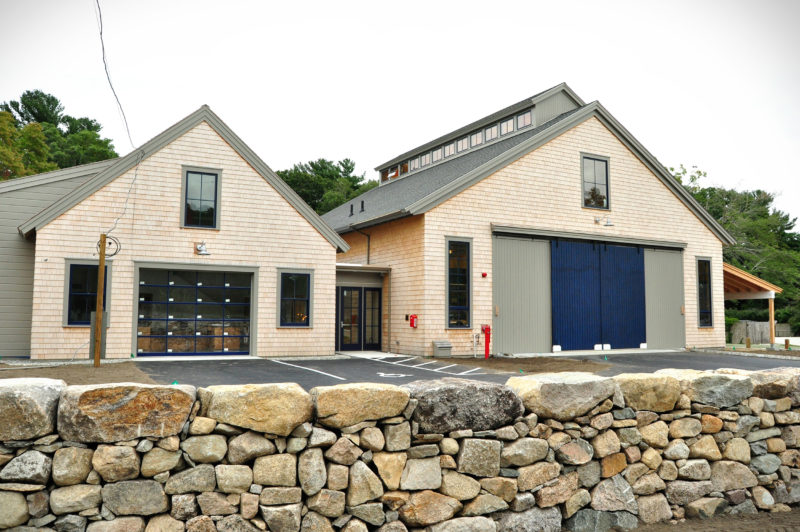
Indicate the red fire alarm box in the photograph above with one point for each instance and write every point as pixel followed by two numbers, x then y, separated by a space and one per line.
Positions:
pixel 412 321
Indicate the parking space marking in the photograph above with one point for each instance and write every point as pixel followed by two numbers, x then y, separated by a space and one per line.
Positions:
pixel 419 366
pixel 308 369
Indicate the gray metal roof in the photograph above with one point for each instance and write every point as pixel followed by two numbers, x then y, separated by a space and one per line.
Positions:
pixel 54 176
pixel 390 199
pixel 421 191
pixel 117 167
pixel 485 121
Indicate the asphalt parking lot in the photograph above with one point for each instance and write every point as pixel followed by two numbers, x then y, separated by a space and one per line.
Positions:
pixel 402 369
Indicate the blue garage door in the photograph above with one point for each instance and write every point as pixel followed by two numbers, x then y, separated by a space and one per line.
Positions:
pixel 597 295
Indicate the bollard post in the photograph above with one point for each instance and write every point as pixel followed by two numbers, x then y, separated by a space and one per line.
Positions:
pixel 747 343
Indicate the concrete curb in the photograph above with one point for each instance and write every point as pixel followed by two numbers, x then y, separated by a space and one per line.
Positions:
pixel 754 355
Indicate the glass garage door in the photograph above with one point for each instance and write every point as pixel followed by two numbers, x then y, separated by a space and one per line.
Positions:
pixel 183 312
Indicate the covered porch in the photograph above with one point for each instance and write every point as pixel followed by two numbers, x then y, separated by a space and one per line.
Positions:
pixel 742 285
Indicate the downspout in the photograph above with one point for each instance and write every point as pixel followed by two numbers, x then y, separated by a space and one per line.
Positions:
pixel 366 235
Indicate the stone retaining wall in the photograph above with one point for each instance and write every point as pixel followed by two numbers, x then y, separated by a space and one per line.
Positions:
pixel 543 452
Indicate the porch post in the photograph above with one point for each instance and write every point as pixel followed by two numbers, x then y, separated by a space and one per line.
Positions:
pixel 771 321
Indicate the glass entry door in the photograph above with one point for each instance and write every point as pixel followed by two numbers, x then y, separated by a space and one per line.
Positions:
pixel 359 312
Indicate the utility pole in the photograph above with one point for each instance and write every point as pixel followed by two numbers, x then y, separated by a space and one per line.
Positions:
pixel 98 319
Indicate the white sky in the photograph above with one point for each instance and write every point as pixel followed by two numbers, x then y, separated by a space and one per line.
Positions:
pixel 706 83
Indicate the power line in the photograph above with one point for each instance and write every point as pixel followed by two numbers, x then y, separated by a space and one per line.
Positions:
pixel 108 76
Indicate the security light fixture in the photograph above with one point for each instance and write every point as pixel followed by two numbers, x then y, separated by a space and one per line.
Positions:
pixel 201 249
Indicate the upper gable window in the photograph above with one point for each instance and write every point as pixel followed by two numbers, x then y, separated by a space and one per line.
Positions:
pixel 462 144
pixel 450 149
pixel 595 182
pixel 413 164
pixel 476 138
pixel 437 155
pixel 524 120
pixel 425 160
pixel 201 199
pixel 490 133
pixel 507 126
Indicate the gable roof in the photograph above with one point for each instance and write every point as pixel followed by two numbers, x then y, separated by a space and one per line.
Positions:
pixel 422 191
pixel 54 176
pixel 117 167
pixel 489 119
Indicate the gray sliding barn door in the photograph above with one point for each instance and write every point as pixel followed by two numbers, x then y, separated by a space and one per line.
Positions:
pixel 663 274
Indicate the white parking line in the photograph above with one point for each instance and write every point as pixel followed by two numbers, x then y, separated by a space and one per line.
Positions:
pixel 418 366
pixel 399 362
pixel 308 369
pixel 469 371
pixel 444 368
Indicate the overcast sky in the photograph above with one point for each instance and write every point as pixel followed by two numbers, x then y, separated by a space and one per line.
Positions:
pixel 706 83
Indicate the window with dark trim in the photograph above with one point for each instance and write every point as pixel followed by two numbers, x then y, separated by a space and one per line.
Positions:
pixel 704 311
pixel 462 144
pixel 201 200
pixel 404 168
pixel 384 175
pixel 476 138
pixel 507 126
pixel 425 160
pixel 450 149
pixel 458 272
pixel 295 299
pixel 595 182
pixel 413 164
pixel 524 120
pixel 82 300
pixel 437 154
pixel 490 133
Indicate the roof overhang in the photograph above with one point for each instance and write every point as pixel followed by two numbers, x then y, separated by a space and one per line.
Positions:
pixel 742 285
pixel 362 268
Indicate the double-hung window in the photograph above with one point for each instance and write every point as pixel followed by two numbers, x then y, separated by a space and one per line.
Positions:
pixel 437 154
pixel 704 311
pixel 458 284
pixel 295 299
pixel 201 199
pixel 462 144
pixel 450 149
pixel 507 126
pixel 595 182
pixel 82 293
pixel 524 120
pixel 490 133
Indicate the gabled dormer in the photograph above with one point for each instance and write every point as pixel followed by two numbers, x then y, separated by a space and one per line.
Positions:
pixel 503 124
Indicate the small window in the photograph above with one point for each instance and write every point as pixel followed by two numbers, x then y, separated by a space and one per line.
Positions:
pixel 413 164
pixel 476 138
pixel 704 312
pixel 201 200
pixel 384 175
pixel 458 285
pixel 462 144
pixel 394 172
pixel 425 160
pixel 490 133
pixel 404 168
pixel 524 120
pixel 437 155
pixel 362 205
pixel 351 209
pixel 82 300
pixel 450 149
pixel 595 183
pixel 507 126
pixel 295 299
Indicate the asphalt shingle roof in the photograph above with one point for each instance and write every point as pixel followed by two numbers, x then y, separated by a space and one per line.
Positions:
pixel 390 198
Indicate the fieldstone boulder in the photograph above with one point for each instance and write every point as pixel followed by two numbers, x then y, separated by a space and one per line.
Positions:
pixel 344 451
pixel 537 474
pixel 681 492
pixel 215 503
pixel 29 467
pixel 245 447
pixel 280 496
pixel 158 460
pixel 196 479
pixel 271 408
pixel 347 404
pixel 449 404
pixel 14 509
pixel 685 427
pixel 122 411
pixel 533 520
pixel 654 508
pixel 28 407
pixel 645 391
pixel 559 491
pixel 284 518
pixel 767 384
pixel 480 458
pixel 695 470
pixel 766 464
pixel 135 497
pixel 427 507
pixel 390 468
pixel 120 524
pixel 576 452
pixel 458 486
pixel 737 449
pixel 714 389
pixel 614 494
pixel 116 462
pixel 311 471
pixel 483 504
pixel 275 470
pixel 562 396
pixel 655 434
pixel 371 512
pixel 727 475
pixel 71 465
pixel 205 449
pixel 233 478
pixel 421 474
pixel 70 523
pixel 234 523
pixel 164 523
pixel 465 524
pixel 706 507
pixel 74 499
pixel 364 485
pixel 588 520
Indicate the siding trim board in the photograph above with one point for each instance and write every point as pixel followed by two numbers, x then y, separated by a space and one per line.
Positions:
pixel 569 235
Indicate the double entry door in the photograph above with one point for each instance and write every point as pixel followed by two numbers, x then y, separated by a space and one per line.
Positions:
pixel 358 310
